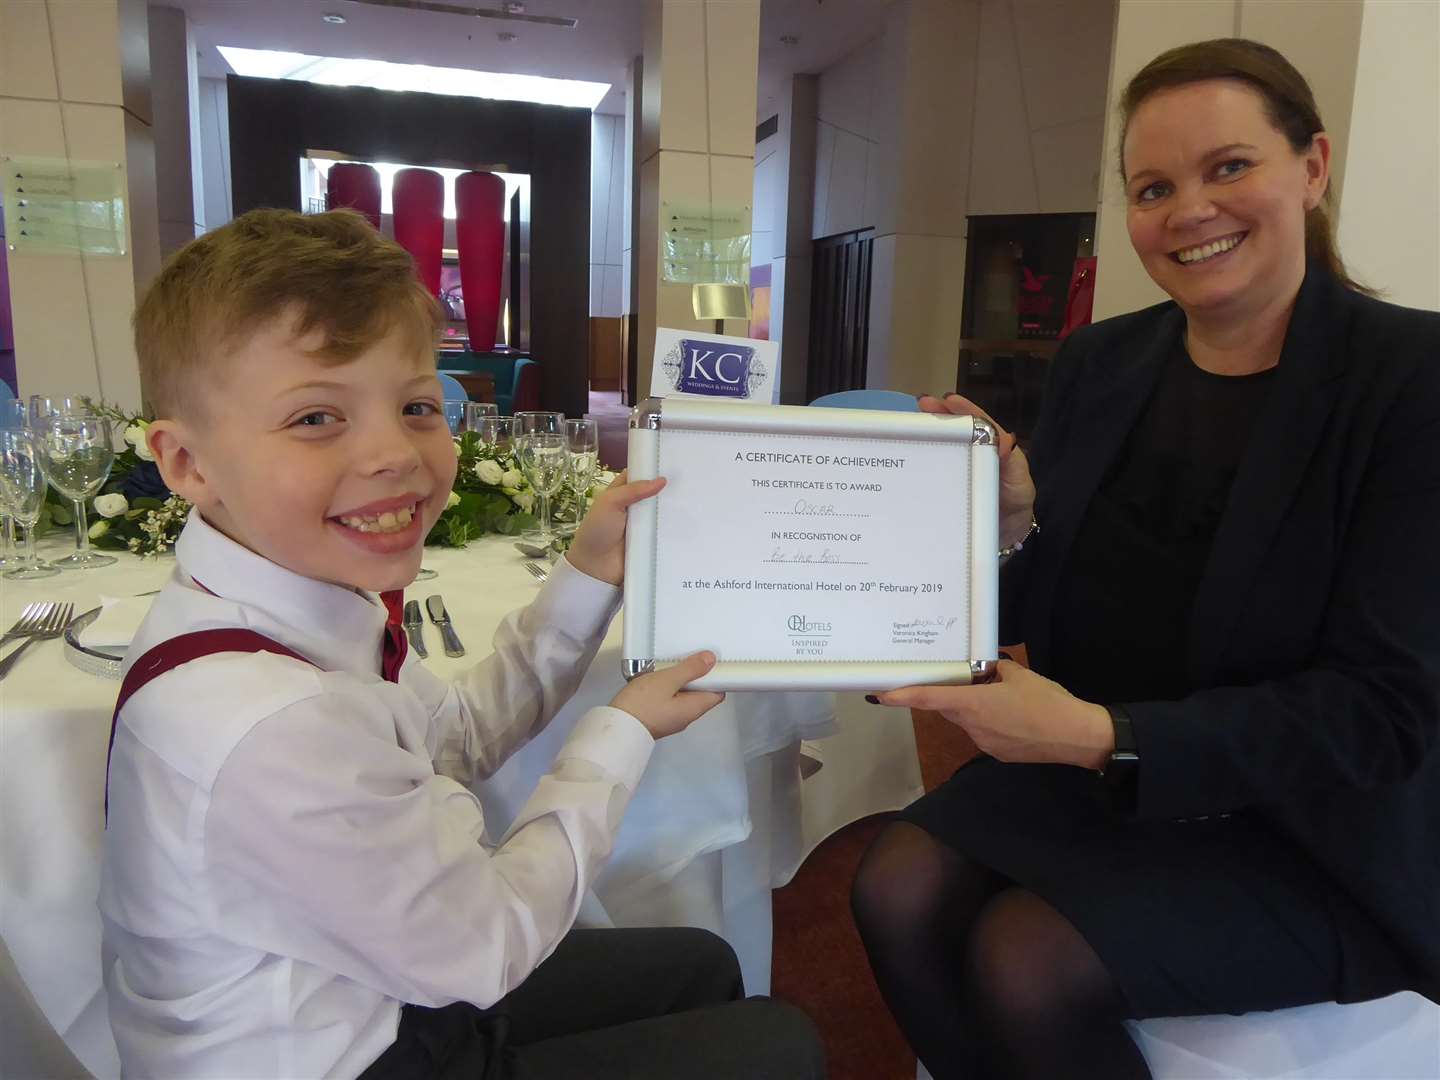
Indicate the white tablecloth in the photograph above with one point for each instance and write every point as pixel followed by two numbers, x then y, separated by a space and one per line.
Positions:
pixel 717 822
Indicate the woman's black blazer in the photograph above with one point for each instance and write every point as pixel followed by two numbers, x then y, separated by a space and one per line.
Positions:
pixel 1314 642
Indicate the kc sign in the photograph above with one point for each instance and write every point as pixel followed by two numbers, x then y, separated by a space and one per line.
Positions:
pixel 691 364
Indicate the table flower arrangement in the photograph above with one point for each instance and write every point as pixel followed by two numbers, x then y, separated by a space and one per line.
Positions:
pixel 136 512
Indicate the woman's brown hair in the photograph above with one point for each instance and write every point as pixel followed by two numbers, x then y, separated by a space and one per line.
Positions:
pixel 1289 106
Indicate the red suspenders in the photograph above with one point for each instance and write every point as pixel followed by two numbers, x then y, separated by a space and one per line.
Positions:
pixel 170 654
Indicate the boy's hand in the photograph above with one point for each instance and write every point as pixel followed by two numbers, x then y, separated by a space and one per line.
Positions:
pixel 599 545
pixel 660 702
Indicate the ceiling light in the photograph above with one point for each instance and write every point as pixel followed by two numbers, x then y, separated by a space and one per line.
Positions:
pixel 333 19
pixel 383 75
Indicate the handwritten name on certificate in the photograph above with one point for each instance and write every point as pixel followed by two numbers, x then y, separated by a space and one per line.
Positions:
pixel 812 548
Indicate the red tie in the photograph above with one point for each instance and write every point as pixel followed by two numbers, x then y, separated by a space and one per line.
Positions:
pixel 396 643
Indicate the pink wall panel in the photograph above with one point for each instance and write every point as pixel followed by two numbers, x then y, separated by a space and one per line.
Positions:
pixel 480 230
pixel 419 201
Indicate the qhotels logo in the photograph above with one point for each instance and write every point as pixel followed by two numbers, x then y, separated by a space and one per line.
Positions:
pixel 798 624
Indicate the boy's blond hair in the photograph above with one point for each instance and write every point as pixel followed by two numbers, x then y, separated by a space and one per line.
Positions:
pixel 331 272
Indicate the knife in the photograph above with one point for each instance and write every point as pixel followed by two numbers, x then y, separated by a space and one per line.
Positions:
pixel 414 624
pixel 441 618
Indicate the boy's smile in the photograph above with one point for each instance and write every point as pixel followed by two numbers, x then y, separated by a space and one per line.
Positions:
pixel 333 469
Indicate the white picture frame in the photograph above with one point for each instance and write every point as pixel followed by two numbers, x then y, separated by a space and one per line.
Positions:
pixel 922 516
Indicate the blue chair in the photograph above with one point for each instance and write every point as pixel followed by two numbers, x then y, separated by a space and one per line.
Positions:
pixel 517 378
pixel 452 388
pixel 891 400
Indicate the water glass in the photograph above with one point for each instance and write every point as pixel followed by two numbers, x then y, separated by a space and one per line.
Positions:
pixel 75 455
pixel 542 458
pixel 584 459
pixel 22 494
pixel 539 420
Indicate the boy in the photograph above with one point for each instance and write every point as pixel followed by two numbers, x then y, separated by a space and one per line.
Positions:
pixel 294 883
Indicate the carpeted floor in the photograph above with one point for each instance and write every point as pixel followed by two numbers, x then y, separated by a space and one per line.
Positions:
pixel 819 963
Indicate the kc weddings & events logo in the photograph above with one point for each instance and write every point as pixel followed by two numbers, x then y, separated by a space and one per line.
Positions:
pixel 713 369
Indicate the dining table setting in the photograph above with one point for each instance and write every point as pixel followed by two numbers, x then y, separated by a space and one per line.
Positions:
pixel 726 811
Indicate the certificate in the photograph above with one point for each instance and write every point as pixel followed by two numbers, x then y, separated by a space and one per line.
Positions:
pixel 812 548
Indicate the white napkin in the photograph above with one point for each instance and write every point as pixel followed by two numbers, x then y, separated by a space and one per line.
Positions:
pixel 119 618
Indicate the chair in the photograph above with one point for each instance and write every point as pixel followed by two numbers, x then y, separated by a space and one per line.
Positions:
pixel 517 379
pixel 452 388
pixel 1392 1038
pixel 889 400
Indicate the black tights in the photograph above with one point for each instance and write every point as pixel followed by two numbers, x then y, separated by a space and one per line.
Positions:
pixel 984 978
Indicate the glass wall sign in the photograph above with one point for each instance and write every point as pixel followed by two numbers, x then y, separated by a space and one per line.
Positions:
pixel 60 206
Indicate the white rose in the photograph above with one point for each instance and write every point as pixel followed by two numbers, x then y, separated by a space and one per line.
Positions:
pixel 100 528
pixel 110 505
pixel 512 479
pixel 135 436
pixel 453 499
pixel 525 501
pixel 488 472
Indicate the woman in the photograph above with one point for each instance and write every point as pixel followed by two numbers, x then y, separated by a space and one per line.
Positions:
pixel 1217 791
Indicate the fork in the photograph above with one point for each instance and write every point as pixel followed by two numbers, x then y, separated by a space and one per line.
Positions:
pixel 56 618
pixel 538 572
pixel 27 623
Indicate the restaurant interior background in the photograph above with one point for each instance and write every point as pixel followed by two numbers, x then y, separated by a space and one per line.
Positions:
pixel 926 180
pixel 931 187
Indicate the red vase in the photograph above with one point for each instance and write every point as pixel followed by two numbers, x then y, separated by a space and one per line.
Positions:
pixel 418 197
pixel 354 186
pixel 480 230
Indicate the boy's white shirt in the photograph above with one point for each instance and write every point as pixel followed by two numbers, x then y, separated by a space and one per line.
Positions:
pixel 291 853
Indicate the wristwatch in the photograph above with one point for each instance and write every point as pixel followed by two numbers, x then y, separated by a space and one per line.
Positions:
pixel 1124 764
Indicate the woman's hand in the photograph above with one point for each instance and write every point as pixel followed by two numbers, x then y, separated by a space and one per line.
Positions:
pixel 1017 489
pixel 599 545
pixel 1021 716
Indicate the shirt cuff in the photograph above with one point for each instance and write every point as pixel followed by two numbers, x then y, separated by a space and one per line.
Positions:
pixel 612 739
pixel 573 599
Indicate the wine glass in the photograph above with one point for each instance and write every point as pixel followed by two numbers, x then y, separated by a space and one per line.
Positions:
pixel 454 416
pixel 495 431
pixel 476 413
pixel 539 420
pixel 22 494
pixel 584 459
pixel 40 408
pixel 75 454
pixel 542 458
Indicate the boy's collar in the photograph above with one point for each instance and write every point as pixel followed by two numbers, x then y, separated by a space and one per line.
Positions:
pixel 342 626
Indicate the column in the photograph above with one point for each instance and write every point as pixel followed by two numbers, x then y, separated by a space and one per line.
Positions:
pixel 925 90
pixel 74 85
pixel 696 141
pixel 1389 210
pixel 175 97
pixel 791 263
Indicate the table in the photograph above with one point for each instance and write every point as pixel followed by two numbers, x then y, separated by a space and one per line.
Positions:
pixel 720 819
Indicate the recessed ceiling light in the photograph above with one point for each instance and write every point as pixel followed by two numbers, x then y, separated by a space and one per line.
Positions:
pixel 383 75
pixel 333 19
